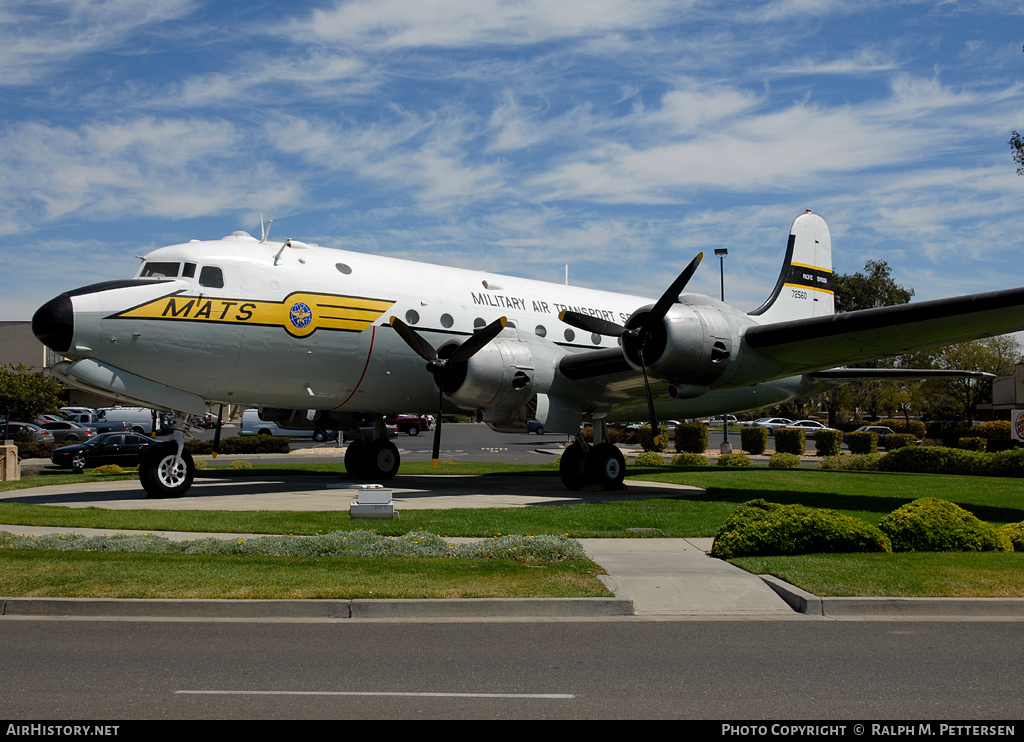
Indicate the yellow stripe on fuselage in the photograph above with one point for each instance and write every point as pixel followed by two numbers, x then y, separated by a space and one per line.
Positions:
pixel 299 314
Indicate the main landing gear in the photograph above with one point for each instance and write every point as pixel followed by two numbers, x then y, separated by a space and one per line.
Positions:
pixel 599 467
pixel 167 469
pixel 376 459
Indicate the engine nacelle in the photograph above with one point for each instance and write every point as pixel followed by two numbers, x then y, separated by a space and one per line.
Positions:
pixel 691 347
pixel 499 377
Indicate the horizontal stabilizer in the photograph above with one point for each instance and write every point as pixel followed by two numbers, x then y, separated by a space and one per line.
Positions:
pixel 816 343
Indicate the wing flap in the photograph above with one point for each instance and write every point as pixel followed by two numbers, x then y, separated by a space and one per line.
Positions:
pixel 805 345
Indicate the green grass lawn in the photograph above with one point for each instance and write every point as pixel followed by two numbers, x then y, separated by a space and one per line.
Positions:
pixel 865 495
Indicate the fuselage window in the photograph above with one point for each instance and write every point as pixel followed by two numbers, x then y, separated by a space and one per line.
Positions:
pixel 412 317
pixel 595 338
pixel 211 277
pixel 447 320
pixel 342 268
pixel 478 323
pixel 570 335
pixel 189 271
pixel 540 331
pixel 160 270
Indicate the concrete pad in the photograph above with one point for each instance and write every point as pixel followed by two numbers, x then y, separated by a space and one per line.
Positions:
pixel 670 576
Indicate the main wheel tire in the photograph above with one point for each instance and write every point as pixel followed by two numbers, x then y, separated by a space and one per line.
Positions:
pixel 570 469
pixel 605 467
pixel 414 430
pixel 78 461
pixel 383 460
pixel 70 439
pixel 540 430
pixel 355 458
pixel 164 475
pixel 320 435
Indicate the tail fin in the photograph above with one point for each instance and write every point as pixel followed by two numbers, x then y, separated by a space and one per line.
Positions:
pixel 804 288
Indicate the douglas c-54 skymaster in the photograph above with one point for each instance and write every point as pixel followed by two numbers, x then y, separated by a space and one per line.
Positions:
pixel 327 337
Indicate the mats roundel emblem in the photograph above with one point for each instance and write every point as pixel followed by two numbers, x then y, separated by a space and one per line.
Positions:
pixel 300 315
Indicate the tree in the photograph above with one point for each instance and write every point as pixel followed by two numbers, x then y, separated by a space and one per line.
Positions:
pixel 24 394
pixel 995 355
pixel 873 288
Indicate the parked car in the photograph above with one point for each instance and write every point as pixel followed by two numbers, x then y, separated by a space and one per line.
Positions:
pixel 68 432
pixel 124 449
pixel 138 419
pixel 772 423
pixel 366 429
pixel 28 432
pixel 253 424
pixel 880 430
pixel 410 424
pixel 810 426
pixel 534 426
pixel 717 420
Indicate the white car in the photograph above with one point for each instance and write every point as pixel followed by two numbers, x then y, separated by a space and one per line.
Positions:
pixel 810 426
pixel 772 423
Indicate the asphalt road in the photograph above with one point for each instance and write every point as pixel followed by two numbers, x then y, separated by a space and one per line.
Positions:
pixel 636 669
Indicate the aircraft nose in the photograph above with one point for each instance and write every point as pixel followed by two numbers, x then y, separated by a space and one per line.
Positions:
pixel 54 323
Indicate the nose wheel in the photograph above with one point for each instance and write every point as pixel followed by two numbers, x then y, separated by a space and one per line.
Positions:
pixel 165 473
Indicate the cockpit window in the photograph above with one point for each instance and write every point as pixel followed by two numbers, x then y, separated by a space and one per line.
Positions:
pixel 189 271
pixel 211 277
pixel 160 270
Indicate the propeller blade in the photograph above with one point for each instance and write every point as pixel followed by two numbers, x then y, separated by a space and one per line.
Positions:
pixel 414 340
pixel 671 296
pixel 591 324
pixel 477 341
pixel 437 429
pixel 655 430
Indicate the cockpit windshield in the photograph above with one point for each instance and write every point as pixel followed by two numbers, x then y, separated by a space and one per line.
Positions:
pixel 160 270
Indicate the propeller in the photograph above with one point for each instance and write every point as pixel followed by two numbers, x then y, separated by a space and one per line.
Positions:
pixel 637 338
pixel 442 368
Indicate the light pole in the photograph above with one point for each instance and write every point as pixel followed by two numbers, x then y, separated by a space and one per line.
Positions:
pixel 720 253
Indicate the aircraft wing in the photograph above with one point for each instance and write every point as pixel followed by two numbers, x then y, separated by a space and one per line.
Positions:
pixel 816 343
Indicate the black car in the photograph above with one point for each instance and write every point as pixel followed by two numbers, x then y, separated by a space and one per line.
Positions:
pixel 109 448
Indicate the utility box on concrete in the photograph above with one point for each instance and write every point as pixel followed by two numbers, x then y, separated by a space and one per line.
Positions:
pixel 373 501
pixel 10 470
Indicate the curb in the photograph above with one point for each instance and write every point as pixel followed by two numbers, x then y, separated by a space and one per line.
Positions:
pixel 802 601
pixel 318 609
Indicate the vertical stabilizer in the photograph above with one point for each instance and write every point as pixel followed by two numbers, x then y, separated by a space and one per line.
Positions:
pixel 804 288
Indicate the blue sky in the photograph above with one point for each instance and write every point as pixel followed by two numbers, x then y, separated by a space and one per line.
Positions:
pixel 618 136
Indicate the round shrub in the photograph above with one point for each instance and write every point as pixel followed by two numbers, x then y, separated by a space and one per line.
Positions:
pixel 1015 533
pixel 784 461
pixel 649 458
pixel 861 462
pixel 760 528
pixel 690 459
pixel 754 440
pixel 930 524
pixel 972 443
pixel 993 430
pixel 734 459
pixel 108 469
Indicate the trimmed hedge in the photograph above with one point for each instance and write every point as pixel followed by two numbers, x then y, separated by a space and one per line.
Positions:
pixel 916 428
pixel 993 430
pixel 760 528
pixel 930 524
pixel 861 462
pixel 898 440
pixel 647 438
pixel 862 443
pixel 754 440
pixel 791 440
pixel 828 442
pixel 972 444
pixel 692 437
